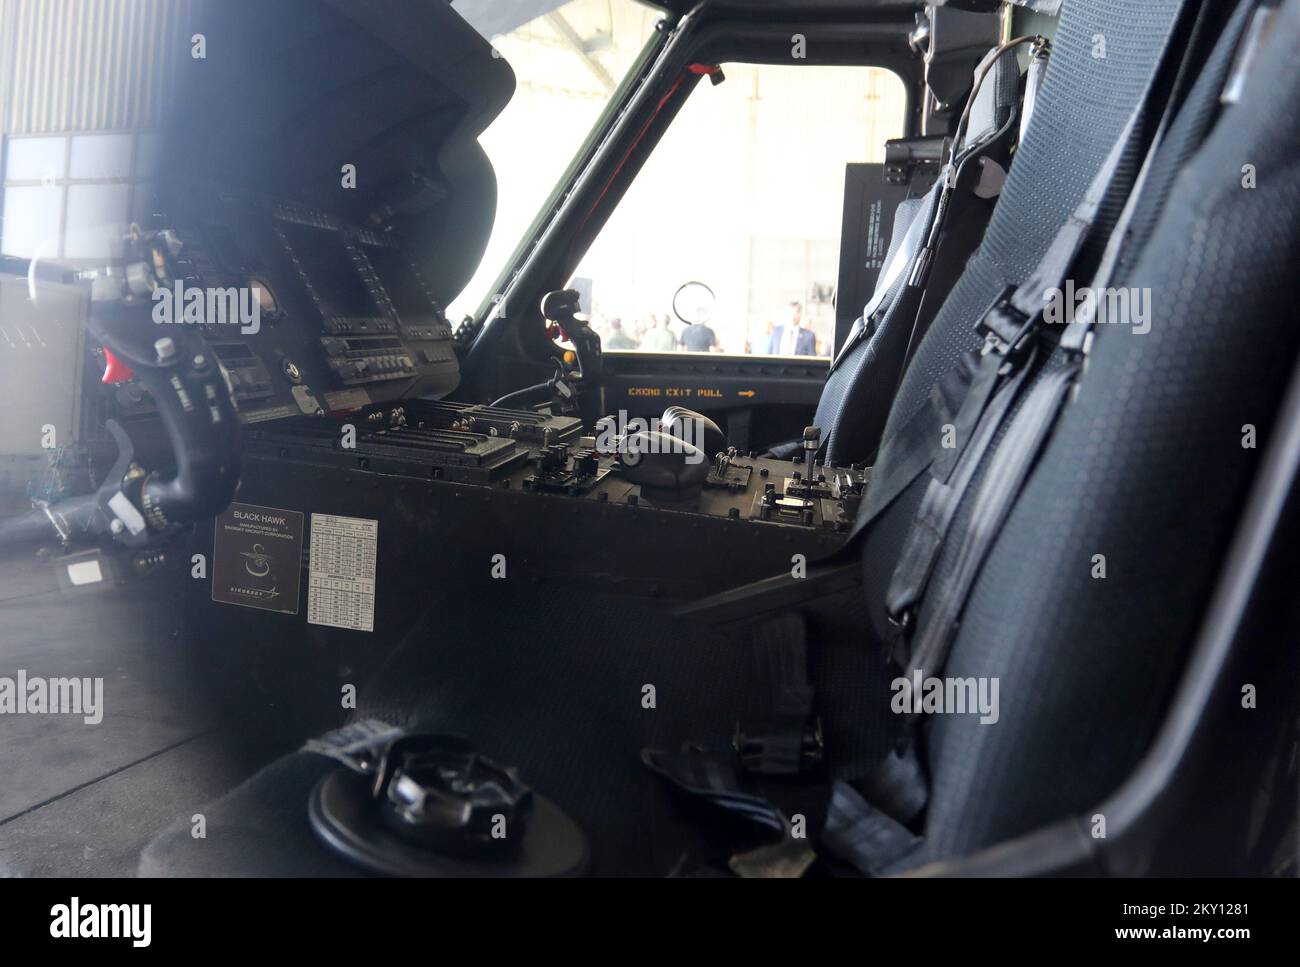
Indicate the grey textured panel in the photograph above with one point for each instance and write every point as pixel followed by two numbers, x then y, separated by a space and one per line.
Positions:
pixel 40 364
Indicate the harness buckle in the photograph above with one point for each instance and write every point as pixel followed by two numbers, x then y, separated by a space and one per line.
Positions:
pixel 781 747
pixel 1006 329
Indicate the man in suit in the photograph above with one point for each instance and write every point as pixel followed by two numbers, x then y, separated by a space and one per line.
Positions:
pixel 793 339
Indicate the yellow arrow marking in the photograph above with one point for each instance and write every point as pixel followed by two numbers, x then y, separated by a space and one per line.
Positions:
pixel 745 392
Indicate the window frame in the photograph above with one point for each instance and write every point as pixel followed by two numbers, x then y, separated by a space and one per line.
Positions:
pixel 618 101
pixel 133 181
pixel 550 252
pixel 757 243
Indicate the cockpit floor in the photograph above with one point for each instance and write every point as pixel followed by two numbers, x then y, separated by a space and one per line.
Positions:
pixel 82 797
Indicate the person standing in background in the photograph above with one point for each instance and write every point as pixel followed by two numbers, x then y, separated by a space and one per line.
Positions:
pixel 667 321
pixel 793 339
pixel 618 339
pixel 660 339
pixel 698 338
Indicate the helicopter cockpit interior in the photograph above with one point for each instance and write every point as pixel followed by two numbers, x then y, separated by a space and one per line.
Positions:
pixel 989 545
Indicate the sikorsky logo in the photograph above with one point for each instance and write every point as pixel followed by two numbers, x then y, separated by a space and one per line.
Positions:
pixel 102 921
pixel 196 306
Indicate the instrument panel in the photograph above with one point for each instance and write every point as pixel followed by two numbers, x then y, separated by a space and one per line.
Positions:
pixel 309 315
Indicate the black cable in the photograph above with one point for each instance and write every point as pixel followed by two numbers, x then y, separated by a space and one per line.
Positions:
pixel 960 131
pixel 510 398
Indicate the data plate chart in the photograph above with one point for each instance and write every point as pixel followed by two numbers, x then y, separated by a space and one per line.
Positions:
pixel 341 568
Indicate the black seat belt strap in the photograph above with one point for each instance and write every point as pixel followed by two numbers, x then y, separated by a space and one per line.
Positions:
pixel 1008 327
pixel 934 515
pixel 912 448
pixel 1025 436
pixel 780 736
pixel 717 778
pixel 894 278
pixel 1039 55
pixel 1076 336
pixel 1016 314
pixel 862 835
pixel 1012 330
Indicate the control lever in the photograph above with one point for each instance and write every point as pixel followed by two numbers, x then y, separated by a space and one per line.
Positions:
pixel 812 441
pixel 663 465
pixel 561 307
pixel 695 428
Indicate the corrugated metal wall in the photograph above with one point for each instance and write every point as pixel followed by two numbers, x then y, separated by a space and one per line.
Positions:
pixel 88 65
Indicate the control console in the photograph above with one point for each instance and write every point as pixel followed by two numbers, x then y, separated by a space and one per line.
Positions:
pixel 476 481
